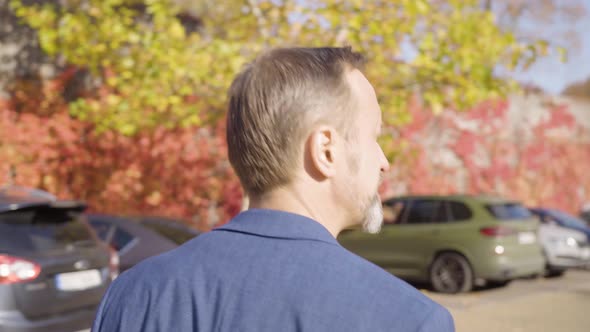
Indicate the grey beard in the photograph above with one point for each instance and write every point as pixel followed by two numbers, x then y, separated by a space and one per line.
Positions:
pixel 373 219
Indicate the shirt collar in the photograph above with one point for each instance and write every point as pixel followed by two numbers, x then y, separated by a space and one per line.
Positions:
pixel 278 224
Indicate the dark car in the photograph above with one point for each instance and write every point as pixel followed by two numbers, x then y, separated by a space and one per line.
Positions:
pixel 137 238
pixel 53 269
pixel 563 219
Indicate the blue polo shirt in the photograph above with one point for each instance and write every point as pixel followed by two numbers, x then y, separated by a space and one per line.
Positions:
pixel 265 270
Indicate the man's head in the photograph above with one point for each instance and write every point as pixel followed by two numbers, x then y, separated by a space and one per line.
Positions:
pixel 308 118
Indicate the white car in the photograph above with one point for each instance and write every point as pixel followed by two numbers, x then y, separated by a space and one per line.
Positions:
pixel 563 248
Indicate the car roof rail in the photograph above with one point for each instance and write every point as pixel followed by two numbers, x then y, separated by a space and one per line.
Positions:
pixel 26 192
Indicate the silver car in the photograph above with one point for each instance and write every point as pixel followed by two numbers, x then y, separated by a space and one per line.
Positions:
pixel 564 248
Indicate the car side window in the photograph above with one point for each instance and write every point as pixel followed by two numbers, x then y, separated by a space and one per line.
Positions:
pixel 459 211
pixel 121 239
pixel 548 220
pixel 393 212
pixel 424 212
pixel 102 229
pixel 442 214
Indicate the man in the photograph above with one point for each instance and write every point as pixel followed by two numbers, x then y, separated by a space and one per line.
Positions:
pixel 302 136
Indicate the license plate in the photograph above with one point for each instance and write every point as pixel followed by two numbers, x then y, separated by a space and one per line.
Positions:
pixel 76 281
pixel 526 237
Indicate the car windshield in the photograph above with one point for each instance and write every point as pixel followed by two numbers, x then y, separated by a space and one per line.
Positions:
pixel 41 229
pixel 509 211
pixel 568 220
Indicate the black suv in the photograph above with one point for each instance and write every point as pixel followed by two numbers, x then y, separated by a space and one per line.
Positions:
pixel 53 268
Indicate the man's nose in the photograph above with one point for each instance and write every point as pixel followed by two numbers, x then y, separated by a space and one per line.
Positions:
pixel 384 162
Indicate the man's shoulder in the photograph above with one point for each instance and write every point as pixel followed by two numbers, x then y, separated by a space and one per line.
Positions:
pixel 190 254
pixel 155 277
pixel 389 299
pixel 336 276
pixel 383 284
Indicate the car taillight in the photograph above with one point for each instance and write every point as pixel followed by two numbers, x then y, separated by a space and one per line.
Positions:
pixel 14 270
pixel 497 231
pixel 113 263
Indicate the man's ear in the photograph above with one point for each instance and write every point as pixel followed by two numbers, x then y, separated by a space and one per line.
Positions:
pixel 322 151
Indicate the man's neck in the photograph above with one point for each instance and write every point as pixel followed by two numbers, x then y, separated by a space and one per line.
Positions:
pixel 289 199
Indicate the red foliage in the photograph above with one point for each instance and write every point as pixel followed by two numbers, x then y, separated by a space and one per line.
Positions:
pixel 465 145
pixel 488 155
pixel 180 173
pixel 184 173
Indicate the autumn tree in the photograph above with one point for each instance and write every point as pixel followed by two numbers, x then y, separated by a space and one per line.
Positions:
pixel 178 172
pixel 529 19
pixel 157 70
pixel 159 73
pixel 580 89
pixel 538 154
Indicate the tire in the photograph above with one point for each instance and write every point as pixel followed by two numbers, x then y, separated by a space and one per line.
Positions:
pixel 553 273
pixel 498 283
pixel 451 273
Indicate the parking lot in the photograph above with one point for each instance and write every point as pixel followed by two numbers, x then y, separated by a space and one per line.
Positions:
pixel 539 305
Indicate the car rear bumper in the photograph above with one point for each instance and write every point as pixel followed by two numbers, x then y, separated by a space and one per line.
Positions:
pixel 504 267
pixel 14 321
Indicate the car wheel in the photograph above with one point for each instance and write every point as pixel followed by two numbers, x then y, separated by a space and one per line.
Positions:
pixel 451 273
pixel 553 273
pixel 498 283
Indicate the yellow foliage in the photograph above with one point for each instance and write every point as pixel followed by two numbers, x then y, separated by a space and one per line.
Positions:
pixel 152 64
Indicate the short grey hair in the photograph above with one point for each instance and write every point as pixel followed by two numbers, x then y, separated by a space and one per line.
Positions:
pixel 276 101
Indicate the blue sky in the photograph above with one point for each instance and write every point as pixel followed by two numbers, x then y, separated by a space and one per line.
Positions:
pixel 553 75
pixel 550 73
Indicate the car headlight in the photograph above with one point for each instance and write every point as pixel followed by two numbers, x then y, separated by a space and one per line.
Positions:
pixel 570 241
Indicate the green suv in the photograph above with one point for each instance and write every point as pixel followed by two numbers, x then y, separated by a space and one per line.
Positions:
pixel 453 242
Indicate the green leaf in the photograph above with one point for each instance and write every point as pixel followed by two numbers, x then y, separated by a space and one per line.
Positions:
pixel 151 67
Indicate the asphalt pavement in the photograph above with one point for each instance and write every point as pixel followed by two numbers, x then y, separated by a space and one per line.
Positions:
pixel 537 305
